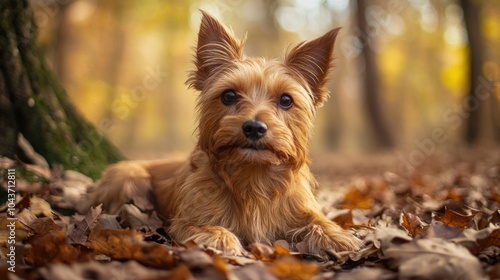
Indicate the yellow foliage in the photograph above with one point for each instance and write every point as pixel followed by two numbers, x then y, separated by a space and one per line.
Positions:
pixel 391 62
pixel 454 74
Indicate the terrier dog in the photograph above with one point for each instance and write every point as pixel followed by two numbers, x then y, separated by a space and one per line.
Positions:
pixel 248 178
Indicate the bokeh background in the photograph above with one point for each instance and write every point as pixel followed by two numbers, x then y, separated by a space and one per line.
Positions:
pixel 402 76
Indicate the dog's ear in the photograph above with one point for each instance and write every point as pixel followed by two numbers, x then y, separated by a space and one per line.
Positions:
pixel 216 46
pixel 313 61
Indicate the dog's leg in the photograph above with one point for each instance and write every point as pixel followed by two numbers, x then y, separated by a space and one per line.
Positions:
pixel 321 234
pixel 216 237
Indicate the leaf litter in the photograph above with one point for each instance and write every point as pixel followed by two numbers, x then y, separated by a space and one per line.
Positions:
pixel 440 221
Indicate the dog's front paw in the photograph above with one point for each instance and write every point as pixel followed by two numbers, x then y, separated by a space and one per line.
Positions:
pixel 326 236
pixel 218 238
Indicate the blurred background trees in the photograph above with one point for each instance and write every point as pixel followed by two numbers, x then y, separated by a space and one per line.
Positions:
pixel 404 69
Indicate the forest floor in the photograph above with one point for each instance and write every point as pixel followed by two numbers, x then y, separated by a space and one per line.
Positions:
pixel 419 218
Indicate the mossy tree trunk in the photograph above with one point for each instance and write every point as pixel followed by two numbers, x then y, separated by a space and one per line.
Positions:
pixel 33 102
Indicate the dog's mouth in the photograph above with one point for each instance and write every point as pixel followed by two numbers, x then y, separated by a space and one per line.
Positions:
pixel 253 146
pixel 246 146
pixel 253 152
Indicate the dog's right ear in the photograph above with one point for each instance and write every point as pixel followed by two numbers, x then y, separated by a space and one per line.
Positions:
pixel 217 46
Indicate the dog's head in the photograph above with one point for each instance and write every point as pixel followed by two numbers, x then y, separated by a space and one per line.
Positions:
pixel 253 110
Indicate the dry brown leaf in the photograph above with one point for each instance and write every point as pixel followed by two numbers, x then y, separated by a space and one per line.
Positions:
pixel 261 252
pixel 132 217
pixel 195 259
pixel 40 207
pixel 493 240
pixel 289 267
pixel 434 258
pixel 109 221
pixel 302 247
pixel 366 273
pixel 240 261
pixel 356 198
pixel 114 270
pixel 252 272
pixel 129 245
pixel 413 224
pixel 283 243
pixel 25 218
pixel 53 248
pixel 280 250
pixel 495 218
pixel 344 220
pixel 43 225
pixel 385 237
pixel 440 230
pixel 82 228
pixel 180 272
pixel 454 219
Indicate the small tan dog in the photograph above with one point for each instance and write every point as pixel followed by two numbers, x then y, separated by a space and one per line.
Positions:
pixel 248 178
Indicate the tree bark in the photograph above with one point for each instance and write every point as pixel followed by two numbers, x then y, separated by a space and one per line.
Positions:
pixel 371 85
pixel 33 103
pixel 471 11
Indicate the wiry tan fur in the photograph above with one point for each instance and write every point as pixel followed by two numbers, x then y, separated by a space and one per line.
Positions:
pixel 226 194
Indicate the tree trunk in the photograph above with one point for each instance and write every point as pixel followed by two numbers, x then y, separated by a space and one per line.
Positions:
pixel 371 83
pixel 33 103
pixel 471 11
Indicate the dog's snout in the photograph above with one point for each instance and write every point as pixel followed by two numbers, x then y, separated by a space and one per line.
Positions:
pixel 254 130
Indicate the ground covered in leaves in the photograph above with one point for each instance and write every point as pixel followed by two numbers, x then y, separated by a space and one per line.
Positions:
pixel 438 219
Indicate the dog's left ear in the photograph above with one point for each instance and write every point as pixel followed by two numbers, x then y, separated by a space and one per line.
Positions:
pixel 217 46
pixel 313 61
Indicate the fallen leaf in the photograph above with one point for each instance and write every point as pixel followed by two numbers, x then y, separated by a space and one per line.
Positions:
pixel 82 228
pixel 53 248
pixel 114 270
pixel 109 221
pixel 26 218
pixel 413 224
pixel 129 245
pixel 195 259
pixel 454 219
pixel 280 250
pixel 385 237
pixel 43 225
pixel 366 273
pixel 355 198
pixel 440 230
pixel 289 267
pixel 478 240
pixel 252 272
pixel 344 220
pixel 180 272
pixel 40 207
pixel 132 217
pixel 261 252
pixel 434 258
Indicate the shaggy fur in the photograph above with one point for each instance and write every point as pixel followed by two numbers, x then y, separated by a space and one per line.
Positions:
pixel 233 190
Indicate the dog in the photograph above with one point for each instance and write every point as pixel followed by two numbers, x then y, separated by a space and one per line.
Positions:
pixel 248 178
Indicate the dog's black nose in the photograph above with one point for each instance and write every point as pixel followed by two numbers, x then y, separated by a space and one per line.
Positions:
pixel 254 130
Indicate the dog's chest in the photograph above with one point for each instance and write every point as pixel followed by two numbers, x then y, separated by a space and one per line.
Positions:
pixel 261 209
pixel 258 222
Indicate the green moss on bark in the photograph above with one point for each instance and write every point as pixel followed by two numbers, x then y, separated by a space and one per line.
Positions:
pixel 40 108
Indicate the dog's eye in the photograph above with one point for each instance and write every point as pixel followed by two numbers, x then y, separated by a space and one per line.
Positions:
pixel 286 101
pixel 229 97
